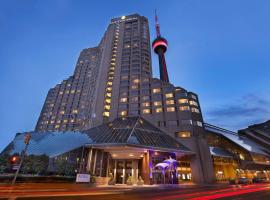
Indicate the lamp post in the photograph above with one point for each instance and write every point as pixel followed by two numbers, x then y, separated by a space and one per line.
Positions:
pixel 27 138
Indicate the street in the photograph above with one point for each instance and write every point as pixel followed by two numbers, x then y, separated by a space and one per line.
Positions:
pixel 70 191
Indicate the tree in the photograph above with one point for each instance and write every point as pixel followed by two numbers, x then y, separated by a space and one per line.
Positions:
pixel 64 167
pixel 35 164
pixel 5 165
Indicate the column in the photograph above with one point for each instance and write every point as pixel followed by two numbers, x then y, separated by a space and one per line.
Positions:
pixel 147 167
pixel 88 167
pixel 134 170
pixel 114 175
pixel 95 160
pixel 124 172
pixel 101 163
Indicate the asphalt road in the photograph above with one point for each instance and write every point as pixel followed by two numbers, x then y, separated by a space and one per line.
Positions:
pixel 75 191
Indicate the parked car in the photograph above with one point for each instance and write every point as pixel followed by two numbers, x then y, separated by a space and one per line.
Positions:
pixel 259 180
pixel 232 181
pixel 243 180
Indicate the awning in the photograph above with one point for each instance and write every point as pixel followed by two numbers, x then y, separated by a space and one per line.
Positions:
pixel 216 151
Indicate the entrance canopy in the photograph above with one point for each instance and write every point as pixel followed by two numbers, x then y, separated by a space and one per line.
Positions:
pixel 133 133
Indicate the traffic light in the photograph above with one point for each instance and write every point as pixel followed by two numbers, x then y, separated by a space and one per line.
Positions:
pixel 14 159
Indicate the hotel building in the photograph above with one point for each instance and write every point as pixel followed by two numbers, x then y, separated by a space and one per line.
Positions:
pixel 114 119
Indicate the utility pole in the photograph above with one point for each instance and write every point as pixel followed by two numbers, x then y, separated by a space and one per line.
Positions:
pixel 27 138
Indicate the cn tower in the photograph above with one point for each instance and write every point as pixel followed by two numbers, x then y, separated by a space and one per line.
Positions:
pixel 160 45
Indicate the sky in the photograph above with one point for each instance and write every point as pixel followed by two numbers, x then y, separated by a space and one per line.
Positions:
pixel 217 49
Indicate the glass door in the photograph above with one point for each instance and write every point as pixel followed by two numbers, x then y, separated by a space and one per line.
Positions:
pixel 119 171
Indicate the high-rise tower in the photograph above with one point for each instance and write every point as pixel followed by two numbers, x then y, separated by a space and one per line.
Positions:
pixel 114 81
pixel 160 45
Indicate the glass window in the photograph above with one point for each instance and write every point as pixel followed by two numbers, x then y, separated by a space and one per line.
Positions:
pixel 193 103
pixel 123 113
pixel 184 108
pixel 134 99
pixel 136 81
pixel 146 111
pixel 186 121
pixel 170 102
pixel 124 77
pixel 172 123
pixel 159 110
pixel 169 95
pixel 75 111
pixel 134 92
pixel 157 103
pixel 134 87
pixel 106 114
pixel 108 94
pixel 123 100
pixel 109 89
pixel 196 110
pixel 182 101
pixel 145 97
pixel 109 83
pixel 156 90
pixel 133 106
pixel 108 101
pixel 146 104
pixel 197 123
pixel 193 97
pixel 133 112
pixel 183 134
pixel 107 107
pixel 171 109
pixel 123 93
pixel 161 123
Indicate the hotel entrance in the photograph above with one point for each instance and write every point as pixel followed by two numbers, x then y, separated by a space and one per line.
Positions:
pixel 124 169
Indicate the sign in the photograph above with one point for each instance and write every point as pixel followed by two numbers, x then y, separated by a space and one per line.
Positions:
pixel 83 178
pixel 15 167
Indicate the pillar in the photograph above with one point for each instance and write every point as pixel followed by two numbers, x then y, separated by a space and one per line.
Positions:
pixel 135 171
pixel 88 167
pixel 147 168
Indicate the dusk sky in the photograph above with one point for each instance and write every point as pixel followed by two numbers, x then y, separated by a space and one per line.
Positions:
pixel 217 49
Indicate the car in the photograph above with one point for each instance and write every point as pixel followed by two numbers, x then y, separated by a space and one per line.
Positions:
pixel 232 181
pixel 243 180
pixel 259 180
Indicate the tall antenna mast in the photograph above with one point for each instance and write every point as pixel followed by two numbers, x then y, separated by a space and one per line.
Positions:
pixel 157 24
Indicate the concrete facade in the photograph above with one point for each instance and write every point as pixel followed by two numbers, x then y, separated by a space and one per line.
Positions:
pixel 115 80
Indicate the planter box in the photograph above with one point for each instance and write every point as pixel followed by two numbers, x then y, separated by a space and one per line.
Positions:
pixel 102 180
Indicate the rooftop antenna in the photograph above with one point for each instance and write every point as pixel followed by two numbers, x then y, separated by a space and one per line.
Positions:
pixel 157 24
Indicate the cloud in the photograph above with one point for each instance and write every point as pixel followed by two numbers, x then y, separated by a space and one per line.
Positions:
pixel 249 109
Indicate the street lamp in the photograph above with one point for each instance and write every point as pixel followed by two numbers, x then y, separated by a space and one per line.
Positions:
pixel 27 138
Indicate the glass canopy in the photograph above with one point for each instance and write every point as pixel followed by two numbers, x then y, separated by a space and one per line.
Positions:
pixel 244 142
pixel 132 131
